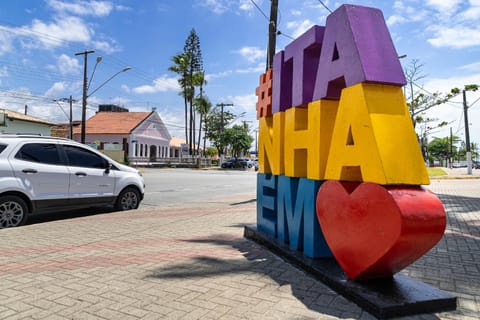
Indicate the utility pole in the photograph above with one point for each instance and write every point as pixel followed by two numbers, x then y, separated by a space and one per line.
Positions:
pixel 451 147
pixel 256 143
pixel 467 134
pixel 222 105
pixel 84 96
pixel 70 120
pixel 70 116
pixel 272 33
pixel 222 124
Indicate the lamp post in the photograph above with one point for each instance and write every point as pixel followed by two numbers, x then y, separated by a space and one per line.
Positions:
pixel 468 87
pixel 86 86
pixel 467 134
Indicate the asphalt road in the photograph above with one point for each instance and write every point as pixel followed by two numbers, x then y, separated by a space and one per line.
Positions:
pixel 168 187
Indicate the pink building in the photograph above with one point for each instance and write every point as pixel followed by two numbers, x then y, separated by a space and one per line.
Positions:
pixel 142 136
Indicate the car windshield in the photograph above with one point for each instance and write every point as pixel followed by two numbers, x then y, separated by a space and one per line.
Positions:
pixel 2 147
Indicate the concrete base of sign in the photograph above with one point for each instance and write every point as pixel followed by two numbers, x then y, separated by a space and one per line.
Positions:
pixel 384 298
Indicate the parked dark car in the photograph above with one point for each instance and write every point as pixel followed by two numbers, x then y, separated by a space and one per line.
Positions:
pixel 235 163
pixel 475 165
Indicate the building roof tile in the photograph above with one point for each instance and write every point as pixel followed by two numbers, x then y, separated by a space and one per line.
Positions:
pixel 113 122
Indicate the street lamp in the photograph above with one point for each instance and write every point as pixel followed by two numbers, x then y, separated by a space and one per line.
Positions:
pixel 98 60
pixel 87 86
pixel 105 82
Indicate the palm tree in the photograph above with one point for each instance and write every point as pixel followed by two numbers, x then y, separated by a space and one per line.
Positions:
pixel 181 63
pixel 198 80
pixel 203 107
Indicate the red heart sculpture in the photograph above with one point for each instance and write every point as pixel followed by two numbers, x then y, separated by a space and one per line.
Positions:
pixel 375 231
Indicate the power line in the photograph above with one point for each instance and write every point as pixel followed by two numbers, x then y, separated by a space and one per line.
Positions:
pixel 260 9
pixel 285 35
pixel 325 6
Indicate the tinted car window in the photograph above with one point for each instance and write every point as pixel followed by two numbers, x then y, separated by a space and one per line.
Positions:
pixel 79 157
pixel 2 147
pixel 39 152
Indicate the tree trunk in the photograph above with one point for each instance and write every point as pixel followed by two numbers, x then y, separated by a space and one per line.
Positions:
pixel 200 134
pixel 186 123
pixel 191 123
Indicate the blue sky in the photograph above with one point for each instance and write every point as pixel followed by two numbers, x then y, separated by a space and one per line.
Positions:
pixel 39 39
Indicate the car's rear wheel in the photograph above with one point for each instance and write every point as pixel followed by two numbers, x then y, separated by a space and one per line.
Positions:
pixel 13 211
pixel 128 199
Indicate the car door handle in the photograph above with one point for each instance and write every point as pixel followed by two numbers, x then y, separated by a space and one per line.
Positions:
pixel 28 171
pixel 80 174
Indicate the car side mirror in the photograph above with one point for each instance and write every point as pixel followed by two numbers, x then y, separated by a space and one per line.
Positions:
pixel 108 166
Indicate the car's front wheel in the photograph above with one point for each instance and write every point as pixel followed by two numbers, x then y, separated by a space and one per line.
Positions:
pixel 128 199
pixel 13 211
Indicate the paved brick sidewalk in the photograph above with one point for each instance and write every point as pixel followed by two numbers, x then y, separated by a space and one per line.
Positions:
pixel 193 263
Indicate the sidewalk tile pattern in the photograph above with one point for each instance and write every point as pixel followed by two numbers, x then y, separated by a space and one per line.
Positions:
pixel 193 263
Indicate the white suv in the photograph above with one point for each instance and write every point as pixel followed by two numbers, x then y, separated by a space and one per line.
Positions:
pixel 45 174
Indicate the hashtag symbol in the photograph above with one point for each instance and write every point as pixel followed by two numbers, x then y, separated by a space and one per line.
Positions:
pixel 264 94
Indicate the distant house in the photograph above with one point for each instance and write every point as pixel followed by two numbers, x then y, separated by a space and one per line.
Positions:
pixel 139 136
pixel 62 130
pixel 178 147
pixel 18 123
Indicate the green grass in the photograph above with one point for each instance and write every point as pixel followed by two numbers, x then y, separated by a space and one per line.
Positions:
pixel 435 172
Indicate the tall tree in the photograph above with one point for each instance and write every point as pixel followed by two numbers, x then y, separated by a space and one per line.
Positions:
pixel 192 47
pixel 203 107
pixel 238 140
pixel 180 66
pixel 199 81
pixel 439 149
pixel 215 122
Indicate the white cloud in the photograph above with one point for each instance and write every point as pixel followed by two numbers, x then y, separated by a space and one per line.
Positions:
pixel 472 13
pixel 223 74
pixel 92 8
pixel 395 19
pixel 444 6
pixel 252 54
pixel 122 8
pixel 456 37
pixel 299 27
pixel 161 84
pixel 296 12
pixel 259 69
pixel 445 84
pixel 5 41
pixel 56 90
pixel 54 34
pixel 50 35
pixel 244 104
pixel 107 47
pixel 474 67
pixel 221 6
pixel 216 6
pixel 453 111
pixel 68 65
pixel 246 5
